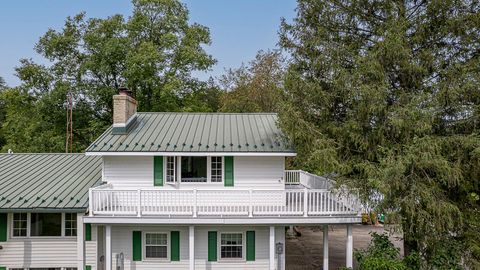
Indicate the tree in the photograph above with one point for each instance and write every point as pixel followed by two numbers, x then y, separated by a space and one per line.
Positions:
pixel 3 87
pixel 256 87
pixel 154 53
pixel 385 94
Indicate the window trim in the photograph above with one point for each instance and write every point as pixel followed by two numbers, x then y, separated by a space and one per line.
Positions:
pixel 12 223
pixel 219 247
pixel 178 171
pixel 144 246
pixel 29 219
pixel 175 170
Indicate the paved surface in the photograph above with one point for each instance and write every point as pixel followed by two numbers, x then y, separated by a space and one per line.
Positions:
pixel 306 252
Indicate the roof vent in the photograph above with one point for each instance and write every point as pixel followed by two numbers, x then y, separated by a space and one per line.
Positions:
pixel 10 151
pixel 124 111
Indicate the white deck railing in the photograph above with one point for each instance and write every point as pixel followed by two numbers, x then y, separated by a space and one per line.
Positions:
pixel 221 202
pixel 308 180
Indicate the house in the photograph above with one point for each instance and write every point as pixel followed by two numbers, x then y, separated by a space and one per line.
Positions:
pixel 165 191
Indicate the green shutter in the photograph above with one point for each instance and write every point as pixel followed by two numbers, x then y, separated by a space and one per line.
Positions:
pixel 175 246
pixel 3 227
pixel 212 246
pixel 158 171
pixel 88 232
pixel 250 245
pixel 3 268
pixel 88 267
pixel 228 171
pixel 137 245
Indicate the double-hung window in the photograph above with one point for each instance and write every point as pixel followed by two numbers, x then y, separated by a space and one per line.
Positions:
pixel 231 245
pixel 20 222
pixel 156 246
pixel 70 224
pixel 171 170
pixel 216 169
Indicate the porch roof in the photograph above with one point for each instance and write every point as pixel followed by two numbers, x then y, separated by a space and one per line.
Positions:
pixel 47 182
pixel 169 132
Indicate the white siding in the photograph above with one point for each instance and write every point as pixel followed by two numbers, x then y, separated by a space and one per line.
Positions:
pixel 91 249
pixel 38 251
pixel 122 242
pixel 249 172
pixel 129 172
pixel 259 172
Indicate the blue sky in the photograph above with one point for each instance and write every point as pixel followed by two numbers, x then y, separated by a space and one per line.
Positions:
pixel 238 28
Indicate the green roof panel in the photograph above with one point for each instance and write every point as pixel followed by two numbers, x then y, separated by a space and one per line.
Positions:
pixel 197 132
pixel 47 181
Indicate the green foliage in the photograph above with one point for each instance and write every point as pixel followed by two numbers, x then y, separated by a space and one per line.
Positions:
pixel 385 94
pixel 154 53
pixel 381 254
pixel 256 87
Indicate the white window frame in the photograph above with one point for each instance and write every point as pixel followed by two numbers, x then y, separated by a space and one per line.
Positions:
pixel 219 246
pixel 29 220
pixel 13 225
pixel 178 171
pixel 175 169
pixel 144 246
pixel 64 225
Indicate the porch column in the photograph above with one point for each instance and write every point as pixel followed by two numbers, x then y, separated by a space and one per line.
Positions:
pixel 349 246
pixel 80 242
pixel 191 246
pixel 325 247
pixel 108 247
pixel 272 248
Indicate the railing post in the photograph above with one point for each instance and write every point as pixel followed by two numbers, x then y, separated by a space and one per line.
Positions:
pixel 250 205
pixel 90 202
pixel 139 203
pixel 195 203
pixel 305 202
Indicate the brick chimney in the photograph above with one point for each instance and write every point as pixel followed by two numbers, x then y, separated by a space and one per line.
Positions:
pixel 124 111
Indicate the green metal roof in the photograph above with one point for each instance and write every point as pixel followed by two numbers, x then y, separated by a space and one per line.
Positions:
pixel 197 132
pixel 47 182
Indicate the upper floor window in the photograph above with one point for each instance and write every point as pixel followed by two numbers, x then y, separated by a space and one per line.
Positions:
pixel 70 224
pixel 193 169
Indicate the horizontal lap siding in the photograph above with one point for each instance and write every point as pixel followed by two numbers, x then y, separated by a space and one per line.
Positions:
pixel 129 172
pixel 91 249
pixel 39 253
pixel 259 172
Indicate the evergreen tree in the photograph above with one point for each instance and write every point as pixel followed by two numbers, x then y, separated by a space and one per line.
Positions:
pixel 385 94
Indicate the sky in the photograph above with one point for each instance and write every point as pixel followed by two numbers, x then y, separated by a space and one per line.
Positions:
pixel 238 28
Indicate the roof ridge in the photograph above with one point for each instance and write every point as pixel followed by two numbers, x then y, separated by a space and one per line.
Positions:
pixel 256 113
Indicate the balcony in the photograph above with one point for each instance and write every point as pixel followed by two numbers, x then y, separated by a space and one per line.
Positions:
pixel 305 195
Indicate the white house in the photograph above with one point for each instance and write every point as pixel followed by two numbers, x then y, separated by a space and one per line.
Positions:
pixel 168 191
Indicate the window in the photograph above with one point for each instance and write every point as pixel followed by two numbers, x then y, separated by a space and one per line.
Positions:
pixel 70 224
pixel 194 169
pixel 46 224
pixel 170 170
pixel 231 246
pixel 156 245
pixel 20 224
pixel 216 169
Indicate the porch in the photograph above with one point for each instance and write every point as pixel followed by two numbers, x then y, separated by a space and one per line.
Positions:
pixel 304 195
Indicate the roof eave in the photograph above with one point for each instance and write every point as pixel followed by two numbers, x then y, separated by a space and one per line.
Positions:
pixel 245 154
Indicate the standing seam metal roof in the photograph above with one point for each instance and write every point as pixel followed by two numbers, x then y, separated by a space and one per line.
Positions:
pixel 197 132
pixel 47 181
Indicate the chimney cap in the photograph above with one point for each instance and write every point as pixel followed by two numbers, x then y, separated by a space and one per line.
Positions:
pixel 122 90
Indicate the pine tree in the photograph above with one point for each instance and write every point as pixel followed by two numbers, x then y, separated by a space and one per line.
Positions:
pixel 385 95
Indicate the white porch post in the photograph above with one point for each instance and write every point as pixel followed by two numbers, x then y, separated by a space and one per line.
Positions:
pixel 272 248
pixel 349 246
pixel 325 247
pixel 80 242
pixel 191 246
pixel 108 247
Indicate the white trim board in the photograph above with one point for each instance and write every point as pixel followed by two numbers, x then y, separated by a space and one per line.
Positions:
pixel 223 221
pixel 208 154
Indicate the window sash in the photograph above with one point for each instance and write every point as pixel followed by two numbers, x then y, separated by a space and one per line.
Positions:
pixel 20 224
pixel 170 170
pixel 231 246
pixel 156 244
pixel 70 224
pixel 216 168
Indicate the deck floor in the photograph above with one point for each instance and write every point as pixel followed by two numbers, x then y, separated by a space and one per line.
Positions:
pixel 306 252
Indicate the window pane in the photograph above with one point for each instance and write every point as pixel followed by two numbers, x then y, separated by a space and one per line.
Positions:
pixel 46 224
pixel 20 224
pixel 170 169
pixel 156 252
pixel 216 169
pixel 194 169
pixel 70 224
